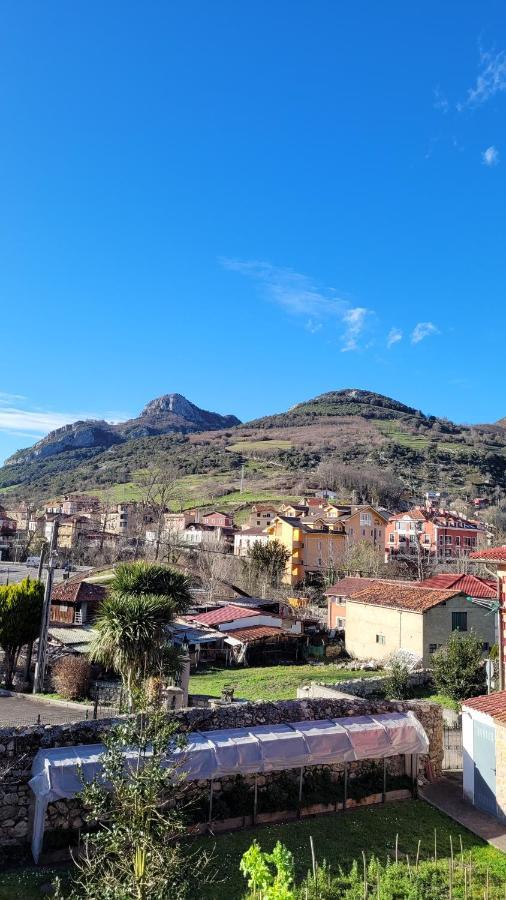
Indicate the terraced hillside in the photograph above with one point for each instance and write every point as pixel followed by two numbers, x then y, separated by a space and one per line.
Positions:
pixel 335 438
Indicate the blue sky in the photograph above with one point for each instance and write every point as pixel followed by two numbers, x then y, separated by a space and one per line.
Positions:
pixel 250 204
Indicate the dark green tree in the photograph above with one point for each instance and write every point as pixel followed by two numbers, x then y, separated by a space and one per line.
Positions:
pixel 458 668
pixel 131 628
pixel 20 615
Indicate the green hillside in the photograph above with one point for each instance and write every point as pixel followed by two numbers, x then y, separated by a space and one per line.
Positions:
pixel 339 436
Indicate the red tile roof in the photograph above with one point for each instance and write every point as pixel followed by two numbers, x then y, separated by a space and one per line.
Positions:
pixel 348 586
pixel 491 554
pixel 228 613
pixel 77 590
pixel 492 704
pixel 482 588
pixel 403 595
pixel 255 633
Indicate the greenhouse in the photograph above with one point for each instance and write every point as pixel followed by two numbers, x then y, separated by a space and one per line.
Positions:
pixel 59 773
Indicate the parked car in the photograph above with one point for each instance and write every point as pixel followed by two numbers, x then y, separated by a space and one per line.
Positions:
pixel 33 562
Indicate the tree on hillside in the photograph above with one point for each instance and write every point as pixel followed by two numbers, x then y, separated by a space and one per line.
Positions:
pixel 131 628
pixel 20 615
pixel 364 559
pixel 268 562
pixel 458 668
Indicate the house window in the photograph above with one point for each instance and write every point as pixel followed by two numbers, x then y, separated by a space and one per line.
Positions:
pixel 432 648
pixel 459 621
pixel 380 639
pixel 365 518
pixel 391 538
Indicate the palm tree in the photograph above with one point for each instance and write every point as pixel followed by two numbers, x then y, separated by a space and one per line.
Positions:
pixel 130 630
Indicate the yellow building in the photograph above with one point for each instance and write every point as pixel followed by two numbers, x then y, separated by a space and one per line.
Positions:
pixel 315 546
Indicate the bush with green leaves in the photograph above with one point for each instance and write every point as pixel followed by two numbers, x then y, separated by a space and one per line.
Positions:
pixel 20 618
pixel 270 876
pixel 138 801
pixel 458 668
pixel 397 686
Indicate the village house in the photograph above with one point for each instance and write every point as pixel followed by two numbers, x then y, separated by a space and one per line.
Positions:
pixel 70 529
pixel 362 522
pixel 496 556
pixel 198 533
pixel 75 602
pixel 253 634
pixel 315 546
pixel 391 616
pixel 8 525
pixel 435 532
pixel 261 515
pixel 217 520
pixel 337 596
pixel 80 504
pixel 174 522
pixel 246 539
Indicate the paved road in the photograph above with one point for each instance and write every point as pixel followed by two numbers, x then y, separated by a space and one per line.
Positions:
pixel 11 572
pixel 23 710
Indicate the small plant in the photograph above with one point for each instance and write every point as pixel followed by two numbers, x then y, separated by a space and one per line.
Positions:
pixel 71 676
pixel 270 875
pixel 398 687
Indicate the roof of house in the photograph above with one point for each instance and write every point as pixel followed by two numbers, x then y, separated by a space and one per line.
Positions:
pixel 307 526
pixel 229 613
pixel 491 554
pixel 75 590
pixel 256 633
pixel 78 639
pixel 345 587
pixel 493 705
pixel 441 517
pixel 251 532
pixel 403 595
pixel 482 588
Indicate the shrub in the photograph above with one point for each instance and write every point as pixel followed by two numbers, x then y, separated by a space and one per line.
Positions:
pixel 398 682
pixel 71 676
pixel 458 667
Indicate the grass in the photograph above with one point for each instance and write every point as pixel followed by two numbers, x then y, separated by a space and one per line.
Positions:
pixel 271 683
pixel 339 839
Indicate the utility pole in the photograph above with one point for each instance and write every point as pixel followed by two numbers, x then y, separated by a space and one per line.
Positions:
pixel 40 666
pixel 242 479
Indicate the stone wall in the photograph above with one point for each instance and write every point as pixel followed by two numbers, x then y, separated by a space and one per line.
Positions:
pixel 18 747
pixel 362 687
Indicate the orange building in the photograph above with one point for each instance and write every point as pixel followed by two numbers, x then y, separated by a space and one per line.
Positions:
pixel 434 531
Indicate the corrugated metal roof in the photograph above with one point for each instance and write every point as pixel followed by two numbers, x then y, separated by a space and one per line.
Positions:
pixel 493 705
pixel 77 638
pixel 257 633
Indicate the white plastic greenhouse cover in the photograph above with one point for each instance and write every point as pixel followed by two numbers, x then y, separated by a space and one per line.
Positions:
pixel 59 773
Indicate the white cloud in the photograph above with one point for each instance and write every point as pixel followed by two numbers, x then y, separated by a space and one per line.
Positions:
pixel 440 101
pixel 394 336
pixel 6 398
pixel 300 296
pixel 423 330
pixel 490 156
pixel 37 423
pixel 491 79
pixel 354 320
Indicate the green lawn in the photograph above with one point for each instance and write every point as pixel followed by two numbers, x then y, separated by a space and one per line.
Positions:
pixel 339 839
pixel 271 683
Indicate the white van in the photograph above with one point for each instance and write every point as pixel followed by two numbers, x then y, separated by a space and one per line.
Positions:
pixel 33 562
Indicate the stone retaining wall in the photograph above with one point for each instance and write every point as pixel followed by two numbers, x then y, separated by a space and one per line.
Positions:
pixel 362 687
pixel 18 747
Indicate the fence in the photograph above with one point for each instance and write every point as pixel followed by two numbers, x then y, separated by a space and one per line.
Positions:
pixel 452 747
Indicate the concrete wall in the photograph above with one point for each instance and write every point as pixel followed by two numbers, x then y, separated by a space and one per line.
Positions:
pixel 437 623
pixel 18 747
pixel 401 628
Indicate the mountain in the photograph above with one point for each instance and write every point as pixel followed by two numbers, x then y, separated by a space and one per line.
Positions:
pixel 349 438
pixel 165 415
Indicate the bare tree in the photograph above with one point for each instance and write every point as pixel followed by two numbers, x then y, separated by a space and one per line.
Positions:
pixel 156 488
